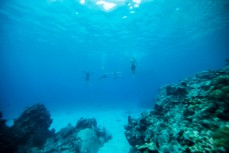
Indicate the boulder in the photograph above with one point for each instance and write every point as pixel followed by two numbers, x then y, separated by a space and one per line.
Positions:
pixel 89 141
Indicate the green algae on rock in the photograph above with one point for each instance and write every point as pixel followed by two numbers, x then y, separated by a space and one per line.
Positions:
pixel 221 137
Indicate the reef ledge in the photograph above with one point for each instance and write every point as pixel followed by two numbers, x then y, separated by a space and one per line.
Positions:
pixel 191 116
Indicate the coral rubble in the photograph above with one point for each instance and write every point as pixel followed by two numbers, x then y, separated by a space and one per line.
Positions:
pixel 190 116
pixel 30 134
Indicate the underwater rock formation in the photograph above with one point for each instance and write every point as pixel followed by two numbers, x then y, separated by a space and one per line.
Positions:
pixel 32 126
pixel 30 129
pixel 190 116
pixel 5 139
pixel 30 133
pixel 82 138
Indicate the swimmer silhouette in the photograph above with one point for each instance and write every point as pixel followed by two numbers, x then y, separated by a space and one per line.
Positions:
pixel 87 76
pixel 104 76
pixel 117 75
pixel 133 65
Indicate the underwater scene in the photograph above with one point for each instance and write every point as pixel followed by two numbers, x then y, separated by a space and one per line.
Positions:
pixel 114 76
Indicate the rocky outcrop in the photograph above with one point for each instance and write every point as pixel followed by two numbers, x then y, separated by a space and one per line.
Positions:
pixel 30 129
pixel 30 134
pixel 6 144
pixel 190 116
pixel 32 126
pixel 84 137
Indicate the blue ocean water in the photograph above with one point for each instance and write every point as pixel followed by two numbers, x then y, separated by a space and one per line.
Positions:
pixel 46 46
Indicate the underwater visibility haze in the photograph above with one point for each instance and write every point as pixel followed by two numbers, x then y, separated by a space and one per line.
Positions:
pixel 154 73
pixel 47 47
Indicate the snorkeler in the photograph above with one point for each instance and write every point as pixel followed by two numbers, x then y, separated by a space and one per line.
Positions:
pixel 133 64
pixel 117 75
pixel 104 76
pixel 87 76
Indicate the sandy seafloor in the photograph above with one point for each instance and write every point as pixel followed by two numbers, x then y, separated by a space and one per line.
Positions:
pixel 113 119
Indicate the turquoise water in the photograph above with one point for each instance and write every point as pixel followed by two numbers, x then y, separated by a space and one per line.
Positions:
pixel 47 45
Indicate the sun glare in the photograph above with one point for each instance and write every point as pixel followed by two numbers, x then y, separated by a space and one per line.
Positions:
pixel 110 5
pixel 82 1
pixel 106 5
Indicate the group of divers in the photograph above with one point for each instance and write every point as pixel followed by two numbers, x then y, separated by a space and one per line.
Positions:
pixel 114 75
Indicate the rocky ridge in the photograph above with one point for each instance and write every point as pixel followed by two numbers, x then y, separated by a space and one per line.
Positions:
pixel 189 116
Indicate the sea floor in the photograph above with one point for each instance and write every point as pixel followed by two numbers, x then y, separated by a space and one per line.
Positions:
pixel 112 119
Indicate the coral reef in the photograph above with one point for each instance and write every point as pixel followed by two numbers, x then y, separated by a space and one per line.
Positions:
pixel 190 116
pixel 30 133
